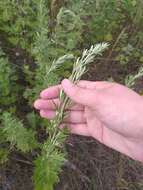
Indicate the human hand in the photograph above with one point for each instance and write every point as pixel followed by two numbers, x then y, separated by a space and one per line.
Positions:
pixel 109 112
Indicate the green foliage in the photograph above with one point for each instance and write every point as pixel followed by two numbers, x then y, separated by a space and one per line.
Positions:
pixel 47 47
pixel 17 20
pixel 133 9
pixel 129 49
pixel 48 30
pixel 49 164
pixel 39 50
pixel 32 120
pixel 101 18
pixel 8 78
pixel 3 155
pixel 68 29
pixel 15 133
pixel 131 79
pixel 48 167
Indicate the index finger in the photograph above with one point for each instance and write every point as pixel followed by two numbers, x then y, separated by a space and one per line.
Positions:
pixel 51 92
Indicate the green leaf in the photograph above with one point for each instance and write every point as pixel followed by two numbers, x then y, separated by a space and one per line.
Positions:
pixel 15 133
pixel 3 155
pixel 47 170
pixel 141 59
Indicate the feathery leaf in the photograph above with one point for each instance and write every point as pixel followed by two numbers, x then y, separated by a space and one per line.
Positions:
pixel 49 164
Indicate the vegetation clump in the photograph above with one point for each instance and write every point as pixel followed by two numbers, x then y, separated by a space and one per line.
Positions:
pixel 40 44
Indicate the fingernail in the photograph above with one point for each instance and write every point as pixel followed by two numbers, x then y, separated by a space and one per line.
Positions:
pixel 36 104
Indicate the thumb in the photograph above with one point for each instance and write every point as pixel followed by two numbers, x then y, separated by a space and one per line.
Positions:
pixel 78 94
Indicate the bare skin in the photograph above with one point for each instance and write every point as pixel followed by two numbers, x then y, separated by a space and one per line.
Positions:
pixel 109 112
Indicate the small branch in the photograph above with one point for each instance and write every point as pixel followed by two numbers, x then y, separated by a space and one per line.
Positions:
pixel 55 6
pixel 23 161
pixel 115 44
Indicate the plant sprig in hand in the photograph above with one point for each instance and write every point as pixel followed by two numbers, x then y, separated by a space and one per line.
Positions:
pixel 49 164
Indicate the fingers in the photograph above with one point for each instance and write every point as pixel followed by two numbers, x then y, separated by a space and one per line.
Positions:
pixel 53 92
pixel 72 116
pixel 49 114
pixel 52 104
pixel 78 94
pixel 46 104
